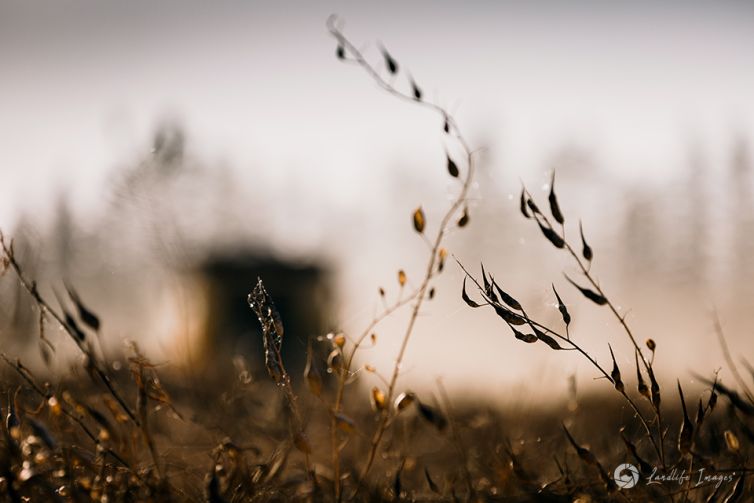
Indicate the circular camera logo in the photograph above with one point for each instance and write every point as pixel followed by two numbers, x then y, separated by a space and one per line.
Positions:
pixel 626 476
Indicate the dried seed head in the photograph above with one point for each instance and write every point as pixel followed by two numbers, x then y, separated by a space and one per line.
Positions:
pixel 339 340
pixel 417 92
pixel 466 297
pixel 615 374
pixel 586 250
pixel 452 167
pixel 441 256
pixel 377 399
pixel 404 400
pixel 589 294
pixel 432 416
pixel 523 205
pixel 401 277
pixel 562 308
pixel 651 345
pixel 551 235
pixel 419 220
pixel 392 65
pixel 553 200
pixel 731 440
pixel 464 220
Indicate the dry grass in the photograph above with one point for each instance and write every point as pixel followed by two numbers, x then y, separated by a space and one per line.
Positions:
pixel 118 431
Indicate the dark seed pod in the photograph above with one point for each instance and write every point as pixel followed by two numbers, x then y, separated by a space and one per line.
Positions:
pixel 392 65
pixel 416 91
pixel 466 298
pixel 509 316
pixel 615 374
pixel 533 206
pixel 644 467
pixel 584 454
pixel 654 389
pixel 431 483
pixel 419 220
pixel 641 386
pixel 340 52
pixel 488 291
pixel 527 338
pixel 562 308
pixel 432 416
pixel 687 429
pixel 546 339
pixel 523 205
pixel 452 168
pixel 551 235
pixel 446 124
pixel 589 294
pixel 554 207
pixel 464 220
pixel 586 250
pixel 510 301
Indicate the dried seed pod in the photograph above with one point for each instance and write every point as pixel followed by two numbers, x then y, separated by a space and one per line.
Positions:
pixel 685 436
pixel 641 386
pixel 431 293
pixel 404 400
pixel 431 483
pixel 340 52
pixel 615 374
pixel 442 254
pixel 401 277
pixel 562 308
pixel 377 399
pixel 392 65
pixel 466 298
pixel 417 92
pixel 446 124
pixel 432 416
pixel 419 220
pixel 86 315
pixel 339 340
pixel 533 206
pixel 699 415
pixel 527 338
pixel 553 200
pixel 488 291
pixel 382 292
pixel 510 301
pixel 731 440
pixel 522 204
pixel 509 316
pixel 644 467
pixel 551 236
pixel 546 338
pixel 452 167
pixel 586 250
pixel 464 220
pixel 584 454
pixel 272 330
pixel 654 389
pixel 589 294
pixel 651 345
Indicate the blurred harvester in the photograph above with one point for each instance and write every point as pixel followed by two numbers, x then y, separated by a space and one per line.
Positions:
pixel 301 292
